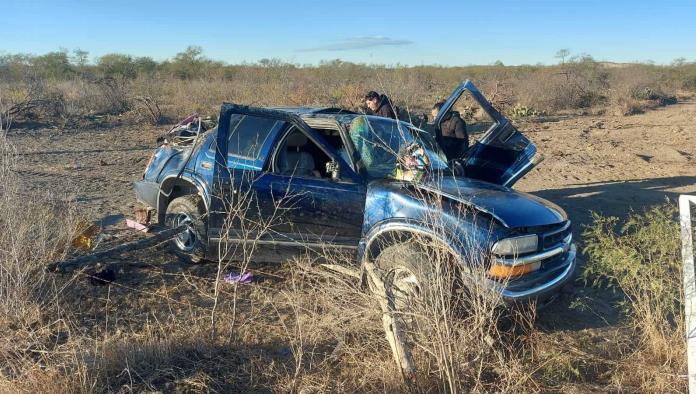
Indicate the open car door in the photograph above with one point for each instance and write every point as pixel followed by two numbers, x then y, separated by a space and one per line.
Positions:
pixel 500 154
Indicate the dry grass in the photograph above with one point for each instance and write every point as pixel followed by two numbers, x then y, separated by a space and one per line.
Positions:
pixel 34 230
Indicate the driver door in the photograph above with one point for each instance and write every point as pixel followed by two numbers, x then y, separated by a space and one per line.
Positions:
pixel 500 154
pixel 287 211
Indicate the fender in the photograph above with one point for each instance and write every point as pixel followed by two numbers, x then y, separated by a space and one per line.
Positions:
pixel 187 176
pixel 403 226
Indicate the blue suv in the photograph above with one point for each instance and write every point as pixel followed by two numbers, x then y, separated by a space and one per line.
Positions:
pixel 287 180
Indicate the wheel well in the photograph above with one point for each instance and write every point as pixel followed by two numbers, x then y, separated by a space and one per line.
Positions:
pixel 171 190
pixel 383 240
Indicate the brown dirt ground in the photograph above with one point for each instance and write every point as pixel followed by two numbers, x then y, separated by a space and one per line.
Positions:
pixel 608 164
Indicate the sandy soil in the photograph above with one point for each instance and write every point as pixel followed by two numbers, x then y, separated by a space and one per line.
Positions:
pixel 605 164
pixel 611 164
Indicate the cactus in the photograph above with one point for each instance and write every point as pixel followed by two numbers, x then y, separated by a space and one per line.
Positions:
pixel 522 111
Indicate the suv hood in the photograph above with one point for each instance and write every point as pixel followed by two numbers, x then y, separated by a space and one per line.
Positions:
pixel 510 207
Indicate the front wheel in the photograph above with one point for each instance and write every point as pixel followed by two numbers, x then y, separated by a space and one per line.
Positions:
pixel 402 265
pixel 419 273
pixel 189 211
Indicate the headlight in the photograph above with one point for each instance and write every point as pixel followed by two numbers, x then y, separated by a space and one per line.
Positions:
pixel 516 245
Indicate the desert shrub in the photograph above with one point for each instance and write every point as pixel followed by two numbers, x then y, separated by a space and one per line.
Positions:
pixel 71 100
pixel 641 259
pixel 552 92
pixel 638 88
pixel 578 83
pixel 689 82
pixel 629 106
pixel 653 93
pixel 20 100
pixel 117 65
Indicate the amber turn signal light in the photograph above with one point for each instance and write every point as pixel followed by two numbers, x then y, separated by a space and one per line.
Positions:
pixel 501 271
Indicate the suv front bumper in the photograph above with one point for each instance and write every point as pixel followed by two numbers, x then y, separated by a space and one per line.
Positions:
pixel 543 290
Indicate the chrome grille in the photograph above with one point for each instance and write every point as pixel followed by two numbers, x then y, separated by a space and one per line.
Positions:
pixel 553 238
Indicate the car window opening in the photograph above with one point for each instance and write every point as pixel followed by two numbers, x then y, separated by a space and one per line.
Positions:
pixel 299 156
pixel 334 139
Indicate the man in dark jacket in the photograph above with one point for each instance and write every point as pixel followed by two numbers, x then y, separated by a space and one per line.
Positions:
pixel 381 105
pixel 452 135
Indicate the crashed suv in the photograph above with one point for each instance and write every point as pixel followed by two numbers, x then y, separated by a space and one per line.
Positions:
pixel 288 180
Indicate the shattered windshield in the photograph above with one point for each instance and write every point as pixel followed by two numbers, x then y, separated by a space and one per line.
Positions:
pixel 381 145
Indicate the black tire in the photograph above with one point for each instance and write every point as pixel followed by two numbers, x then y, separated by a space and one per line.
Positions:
pixel 193 242
pixel 404 266
pixel 414 273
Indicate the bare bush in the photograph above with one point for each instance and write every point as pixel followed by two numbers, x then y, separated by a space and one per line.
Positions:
pixel 150 109
pixel 19 100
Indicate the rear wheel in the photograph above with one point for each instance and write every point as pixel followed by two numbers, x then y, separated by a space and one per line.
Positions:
pixel 189 211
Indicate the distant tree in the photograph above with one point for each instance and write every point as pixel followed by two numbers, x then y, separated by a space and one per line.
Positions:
pixel 562 54
pixel 193 53
pixel 498 63
pixel 117 64
pixel 273 62
pixel 334 63
pixel 145 65
pixel 55 65
pixel 678 62
pixel 190 63
pixel 79 57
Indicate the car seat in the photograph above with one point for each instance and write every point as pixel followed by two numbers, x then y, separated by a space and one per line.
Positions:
pixel 292 160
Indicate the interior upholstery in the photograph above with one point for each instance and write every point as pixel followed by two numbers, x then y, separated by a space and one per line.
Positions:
pixel 292 160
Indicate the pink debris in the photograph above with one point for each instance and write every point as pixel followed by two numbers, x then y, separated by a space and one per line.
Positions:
pixel 137 226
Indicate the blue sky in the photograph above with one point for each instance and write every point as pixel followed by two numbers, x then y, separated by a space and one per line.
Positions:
pixel 379 31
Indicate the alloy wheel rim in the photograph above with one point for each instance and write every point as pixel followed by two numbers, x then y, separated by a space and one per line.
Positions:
pixel 186 240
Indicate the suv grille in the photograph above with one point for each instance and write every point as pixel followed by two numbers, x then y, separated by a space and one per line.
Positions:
pixel 553 238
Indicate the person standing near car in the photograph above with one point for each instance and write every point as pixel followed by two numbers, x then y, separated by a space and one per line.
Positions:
pixel 381 105
pixel 452 135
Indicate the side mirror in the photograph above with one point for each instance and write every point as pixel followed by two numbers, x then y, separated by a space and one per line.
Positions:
pixel 334 169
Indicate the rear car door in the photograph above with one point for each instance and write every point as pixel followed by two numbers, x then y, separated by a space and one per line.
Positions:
pixel 235 160
pixel 500 154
